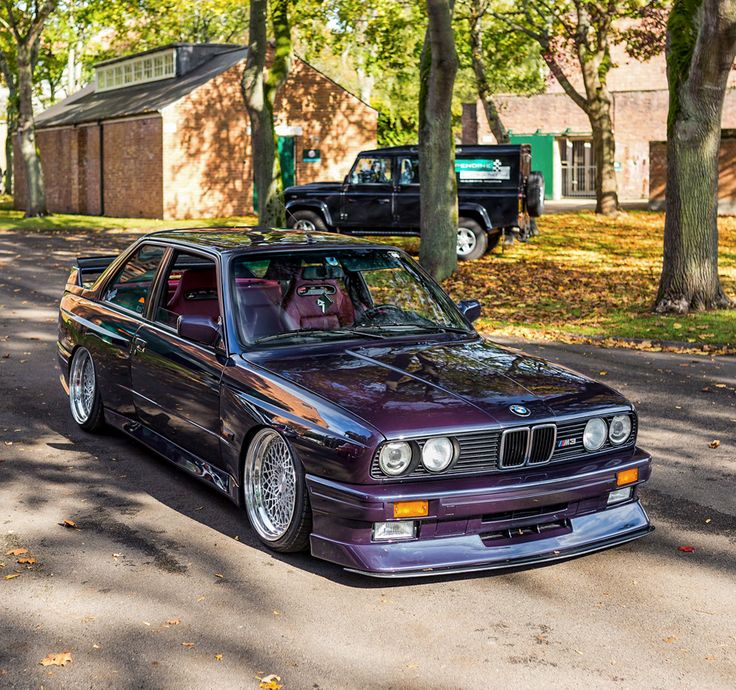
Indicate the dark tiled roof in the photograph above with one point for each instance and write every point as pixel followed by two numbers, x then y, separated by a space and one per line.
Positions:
pixel 88 105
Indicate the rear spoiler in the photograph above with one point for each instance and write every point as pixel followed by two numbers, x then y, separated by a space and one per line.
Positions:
pixel 86 270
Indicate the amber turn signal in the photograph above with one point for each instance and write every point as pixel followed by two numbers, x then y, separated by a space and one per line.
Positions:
pixel 625 477
pixel 410 509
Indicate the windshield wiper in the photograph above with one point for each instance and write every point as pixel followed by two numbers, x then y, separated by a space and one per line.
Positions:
pixel 300 332
pixel 427 327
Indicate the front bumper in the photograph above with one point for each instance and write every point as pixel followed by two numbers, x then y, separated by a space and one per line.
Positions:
pixel 495 521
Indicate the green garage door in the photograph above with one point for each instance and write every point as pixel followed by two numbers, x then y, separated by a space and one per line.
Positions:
pixel 542 156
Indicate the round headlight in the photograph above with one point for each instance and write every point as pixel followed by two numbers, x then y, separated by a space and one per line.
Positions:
pixel 395 458
pixel 437 454
pixel 620 429
pixel 595 434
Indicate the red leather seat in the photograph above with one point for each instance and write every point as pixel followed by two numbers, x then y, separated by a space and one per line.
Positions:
pixel 196 294
pixel 318 303
pixel 259 307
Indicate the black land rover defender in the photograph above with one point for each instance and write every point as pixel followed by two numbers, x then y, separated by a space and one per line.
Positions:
pixel 497 193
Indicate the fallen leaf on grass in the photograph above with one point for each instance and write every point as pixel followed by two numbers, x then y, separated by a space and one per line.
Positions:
pixel 686 549
pixel 714 443
pixel 173 621
pixel 26 561
pixel 670 639
pixel 188 645
pixel 16 552
pixel 270 682
pixel 69 523
pixel 219 575
pixel 60 659
pixel 218 657
pixel 11 577
pixel 721 385
pixel 603 373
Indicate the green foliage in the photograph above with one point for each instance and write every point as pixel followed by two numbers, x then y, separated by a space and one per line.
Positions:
pixel 682 28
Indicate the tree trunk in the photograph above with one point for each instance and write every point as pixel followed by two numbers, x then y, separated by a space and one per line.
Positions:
pixel 259 92
pixel 11 129
pixel 604 146
pixel 438 197
pixel 701 46
pixel 35 202
pixel 481 81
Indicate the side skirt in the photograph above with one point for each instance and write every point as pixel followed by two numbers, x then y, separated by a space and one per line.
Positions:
pixel 193 464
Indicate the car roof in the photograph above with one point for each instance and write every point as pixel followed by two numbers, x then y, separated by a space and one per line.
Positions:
pixel 474 148
pixel 231 239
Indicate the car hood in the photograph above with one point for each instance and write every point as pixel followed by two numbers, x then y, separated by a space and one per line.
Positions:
pixel 430 387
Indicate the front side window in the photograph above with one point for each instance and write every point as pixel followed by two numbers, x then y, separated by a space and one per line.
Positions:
pixel 189 289
pixel 132 284
pixel 368 170
pixel 344 293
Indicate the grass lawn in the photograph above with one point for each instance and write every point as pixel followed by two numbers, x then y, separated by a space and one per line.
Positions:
pixel 590 276
pixel 583 278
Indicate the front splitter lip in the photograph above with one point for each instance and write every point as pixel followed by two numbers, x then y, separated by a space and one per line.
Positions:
pixel 512 563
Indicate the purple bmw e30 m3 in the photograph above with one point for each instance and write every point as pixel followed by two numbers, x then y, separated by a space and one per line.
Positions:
pixel 332 389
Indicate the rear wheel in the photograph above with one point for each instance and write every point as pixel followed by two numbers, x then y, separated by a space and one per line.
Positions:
pixel 472 240
pixel 84 395
pixel 276 493
pixel 307 221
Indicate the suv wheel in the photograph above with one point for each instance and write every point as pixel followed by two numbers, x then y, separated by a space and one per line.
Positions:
pixel 307 221
pixel 535 194
pixel 472 240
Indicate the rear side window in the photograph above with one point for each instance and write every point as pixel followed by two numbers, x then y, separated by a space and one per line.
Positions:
pixel 132 284
pixel 501 170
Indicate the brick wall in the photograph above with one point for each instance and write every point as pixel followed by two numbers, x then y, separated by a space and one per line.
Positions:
pixel 726 176
pixel 638 116
pixel 207 160
pixel 133 173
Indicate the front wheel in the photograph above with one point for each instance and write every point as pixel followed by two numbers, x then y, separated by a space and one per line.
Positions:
pixel 307 221
pixel 276 493
pixel 472 240
pixel 84 395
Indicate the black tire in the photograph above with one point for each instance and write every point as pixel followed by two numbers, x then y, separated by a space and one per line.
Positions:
pixel 85 401
pixel 300 220
pixel 535 194
pixel 472 240
pixel 294 535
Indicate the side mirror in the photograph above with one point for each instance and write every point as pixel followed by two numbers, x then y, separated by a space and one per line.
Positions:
pixel 469 308
pixel 200 329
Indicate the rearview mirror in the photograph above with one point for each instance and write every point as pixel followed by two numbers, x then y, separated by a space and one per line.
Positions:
pixel 469 308
pixel 200 329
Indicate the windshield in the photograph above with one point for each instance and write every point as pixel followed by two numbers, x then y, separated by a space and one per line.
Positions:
pixel 321 295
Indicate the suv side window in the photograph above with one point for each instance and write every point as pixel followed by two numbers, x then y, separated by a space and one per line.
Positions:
pixel 408 171
pixel 130 287
pixel 368 170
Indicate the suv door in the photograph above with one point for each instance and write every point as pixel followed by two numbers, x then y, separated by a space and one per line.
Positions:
pixel 367 194
pixel 406 201
pixel 176 382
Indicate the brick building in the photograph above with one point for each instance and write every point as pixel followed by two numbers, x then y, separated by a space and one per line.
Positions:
pixel 560 133
pixel 164 134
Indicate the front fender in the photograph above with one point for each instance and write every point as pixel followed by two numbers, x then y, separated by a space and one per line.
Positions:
pixel 311 204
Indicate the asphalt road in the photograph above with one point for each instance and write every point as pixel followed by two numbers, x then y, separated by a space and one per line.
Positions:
pixel 163 575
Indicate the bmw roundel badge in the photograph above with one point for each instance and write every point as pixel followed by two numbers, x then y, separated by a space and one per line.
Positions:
pixel 520 410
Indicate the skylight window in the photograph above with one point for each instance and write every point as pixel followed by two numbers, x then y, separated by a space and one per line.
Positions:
pixel 137 70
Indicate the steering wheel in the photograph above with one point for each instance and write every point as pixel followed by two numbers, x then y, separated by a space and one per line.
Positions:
pixel 379 311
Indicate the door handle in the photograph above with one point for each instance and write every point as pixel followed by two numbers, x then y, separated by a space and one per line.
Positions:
pixel 139 345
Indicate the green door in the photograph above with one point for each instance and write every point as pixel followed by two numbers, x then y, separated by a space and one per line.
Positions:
pixel 542 156
pixel 285 147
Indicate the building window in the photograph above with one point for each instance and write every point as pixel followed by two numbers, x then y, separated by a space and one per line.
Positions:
pixel 137 70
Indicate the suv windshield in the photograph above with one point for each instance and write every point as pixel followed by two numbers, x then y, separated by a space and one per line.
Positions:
pixel 330 294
